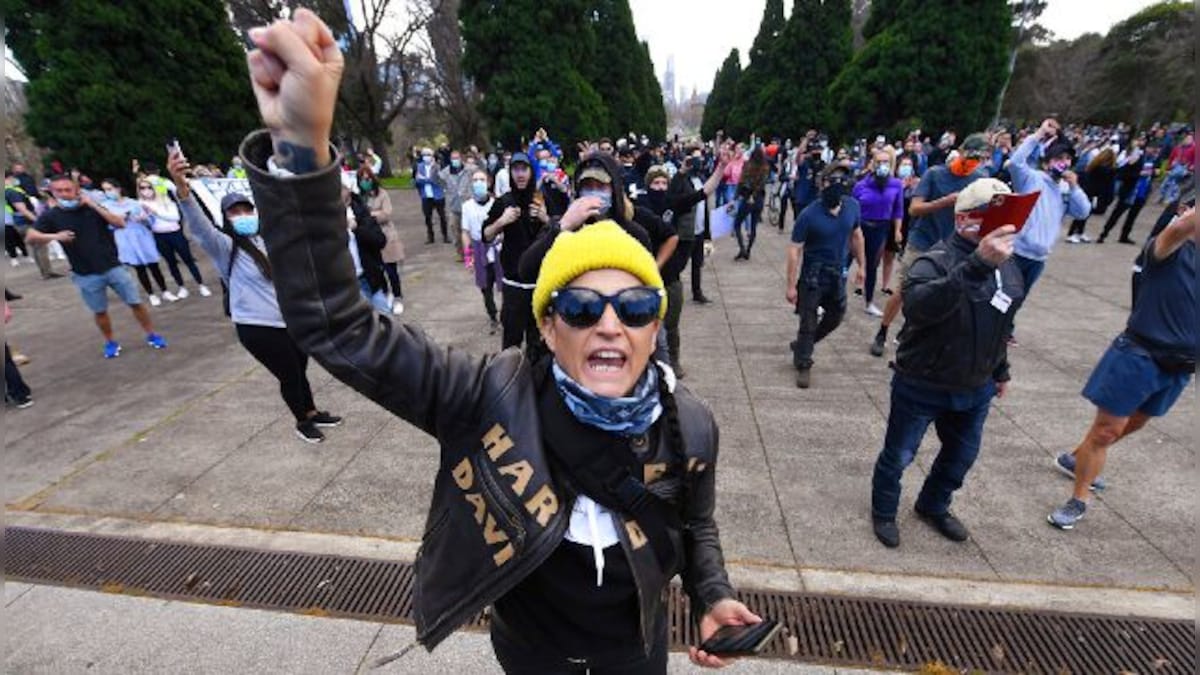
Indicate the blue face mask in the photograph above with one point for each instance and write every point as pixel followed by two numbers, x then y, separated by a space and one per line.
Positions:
pixel 883 171
pixel 69 203
pixel 605 197
pixel 905 170
pixel 456 163
pixel 246 226
pixel 479 188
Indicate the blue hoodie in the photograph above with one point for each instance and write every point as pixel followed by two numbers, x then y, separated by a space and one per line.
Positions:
pixel 1040 233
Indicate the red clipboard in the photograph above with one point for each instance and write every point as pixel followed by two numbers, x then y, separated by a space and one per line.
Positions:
pixel 1008 209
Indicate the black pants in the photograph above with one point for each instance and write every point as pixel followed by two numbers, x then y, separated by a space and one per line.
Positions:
pixel 1133 209
pixel 173 247
pixel 14 243
pixel 144 272
pixel 697 264
pixel 513 659
pixel 15 388
pixel 428 206
pixel 516 317
pixel 671 323
pixel 392 272
pixel 819 286
pixel 489 292
pixel 276 350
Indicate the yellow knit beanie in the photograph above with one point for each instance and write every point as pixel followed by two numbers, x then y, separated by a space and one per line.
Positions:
pixel 600 246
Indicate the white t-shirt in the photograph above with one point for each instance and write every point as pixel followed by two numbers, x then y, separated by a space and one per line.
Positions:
pixel 473 215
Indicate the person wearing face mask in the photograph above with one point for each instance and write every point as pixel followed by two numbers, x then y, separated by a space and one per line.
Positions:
pixel 1134 176
pixel 952 361
pixel 380 205
pixel 457 179
pixel 366 241
pixel 687 198
pixel 85 230
pixel 428 181
pixel 825 234
pixel 135 242
pixel 168 235
pixel 932 210
pixel 1061 197
pixel 894 246
pixel 238 253
pixel 750 195
pixel 484 258
pixel 882 200
pixel 236 170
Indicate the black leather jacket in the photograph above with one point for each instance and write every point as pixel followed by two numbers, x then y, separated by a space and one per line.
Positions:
pixel 953 338
pixel 498 510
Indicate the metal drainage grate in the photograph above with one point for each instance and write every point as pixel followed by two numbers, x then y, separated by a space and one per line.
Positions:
pixel 837 630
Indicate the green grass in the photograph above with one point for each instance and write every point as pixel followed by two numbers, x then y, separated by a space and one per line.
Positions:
pixel 404 182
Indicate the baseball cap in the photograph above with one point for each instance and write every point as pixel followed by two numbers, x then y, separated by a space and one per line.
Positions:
pixel 979 194
pixel 234 198
pixel 974 144
pixel 520 158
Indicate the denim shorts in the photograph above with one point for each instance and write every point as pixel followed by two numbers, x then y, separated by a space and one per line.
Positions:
pixel 94 288
pixel 1127 381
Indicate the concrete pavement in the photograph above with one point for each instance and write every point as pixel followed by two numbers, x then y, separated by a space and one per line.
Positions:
pixel 196 434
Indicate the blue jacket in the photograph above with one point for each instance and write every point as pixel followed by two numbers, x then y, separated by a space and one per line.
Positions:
pixel 1037 239
pixel 427 181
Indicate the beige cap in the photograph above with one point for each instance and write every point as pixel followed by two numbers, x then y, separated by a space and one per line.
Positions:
pixel 979 194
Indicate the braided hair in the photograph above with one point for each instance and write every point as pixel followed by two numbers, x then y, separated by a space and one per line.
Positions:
pixel 671 418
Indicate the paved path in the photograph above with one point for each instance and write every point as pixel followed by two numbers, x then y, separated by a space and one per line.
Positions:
pixel 197 434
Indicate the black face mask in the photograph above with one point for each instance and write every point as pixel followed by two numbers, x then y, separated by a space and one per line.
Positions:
pixel 697 163
pixel 831 196
pixel 656 201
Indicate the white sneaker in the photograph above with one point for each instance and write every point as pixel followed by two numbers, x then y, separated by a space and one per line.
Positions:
pixel 15 262
pixel 873 310
pixel 1084 239
pixel 182 292
pixel 204 292
pixel 398 307
pixel 154 301
pixel 1073 239
pixel 170 297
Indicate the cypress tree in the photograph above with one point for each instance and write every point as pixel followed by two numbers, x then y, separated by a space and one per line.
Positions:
pixel 748 114
pixel 722 97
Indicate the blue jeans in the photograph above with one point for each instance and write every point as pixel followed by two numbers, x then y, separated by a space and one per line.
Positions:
pixel 378 299
pixel 726 193
pixel 875 237
pixel 748 212
pixel 1031 271
pixel 958 418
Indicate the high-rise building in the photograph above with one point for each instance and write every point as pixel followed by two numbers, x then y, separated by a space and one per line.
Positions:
pixel 668 84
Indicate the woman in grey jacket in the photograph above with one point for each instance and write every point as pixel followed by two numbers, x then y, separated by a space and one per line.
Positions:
pixel 238 254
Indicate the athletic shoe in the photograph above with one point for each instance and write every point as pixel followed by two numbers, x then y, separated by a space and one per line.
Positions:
pixel 19 358
pixel 1065 516
pixel 15 262
pixel 873 310
pixel 170 297
pixel 398 307
pixel 182 292
pixel 155 340
pixel 1073 239
pixel 204 292
pixel 112 349
pixel 879 345
pixel 154 300
pixel 1065 463
pixel 1084 239
pixel 1123 240
pixel 324 420
pixel 946 525
pixel 308 432
pixel 22 403
pixel 886 532
pixel 701 299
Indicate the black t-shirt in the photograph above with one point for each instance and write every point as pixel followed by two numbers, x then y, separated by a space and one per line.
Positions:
pixel 1165 309
pixel 13 197
pixel 94 250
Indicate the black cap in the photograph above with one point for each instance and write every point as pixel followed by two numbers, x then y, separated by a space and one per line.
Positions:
pixel 234 198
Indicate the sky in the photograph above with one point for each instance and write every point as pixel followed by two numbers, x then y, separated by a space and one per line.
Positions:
pixel 700 33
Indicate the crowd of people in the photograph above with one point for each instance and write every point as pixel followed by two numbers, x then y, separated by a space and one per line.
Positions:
pixel 580 433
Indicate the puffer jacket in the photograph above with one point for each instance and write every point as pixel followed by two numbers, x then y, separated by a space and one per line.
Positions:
pixel 499 507
pixel 953 337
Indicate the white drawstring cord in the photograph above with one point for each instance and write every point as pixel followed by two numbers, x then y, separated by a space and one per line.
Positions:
pixel 597 552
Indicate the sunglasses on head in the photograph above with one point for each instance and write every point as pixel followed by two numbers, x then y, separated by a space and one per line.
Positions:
pixel 582 307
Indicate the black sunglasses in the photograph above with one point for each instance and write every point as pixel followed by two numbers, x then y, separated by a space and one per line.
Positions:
pixel 582 307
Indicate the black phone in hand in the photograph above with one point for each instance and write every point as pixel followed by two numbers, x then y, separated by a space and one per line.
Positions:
pixel 741 640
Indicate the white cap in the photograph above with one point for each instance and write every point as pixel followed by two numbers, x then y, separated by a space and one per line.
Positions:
pixel 979 194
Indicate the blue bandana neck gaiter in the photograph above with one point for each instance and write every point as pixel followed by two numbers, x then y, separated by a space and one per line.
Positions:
pixel 627 415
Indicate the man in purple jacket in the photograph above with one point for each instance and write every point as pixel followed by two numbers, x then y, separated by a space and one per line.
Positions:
pixel 882 200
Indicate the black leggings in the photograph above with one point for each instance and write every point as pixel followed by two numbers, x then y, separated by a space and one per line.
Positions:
pixel 489 292
pixel 172 245
pixel 144 278
pixel 276 350
pixel 13 242
pixel 1126 229
pixel 392 271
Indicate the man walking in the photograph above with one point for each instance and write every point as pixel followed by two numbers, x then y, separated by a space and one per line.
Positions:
pixel 428 181
pixel 457 180
pixel 83 228
pixel 1147 367
pixel 824 235
pixel 18 203
pixel 951 361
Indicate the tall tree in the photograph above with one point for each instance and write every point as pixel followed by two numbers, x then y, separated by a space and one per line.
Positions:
pixel 111 81
pixel 722 97
pixel 1026 31
pixel 615 67
pixel 456 95
pixel 524 56
pixel 654 113
pixel 815 44
pixel 928 67
pixel 747 115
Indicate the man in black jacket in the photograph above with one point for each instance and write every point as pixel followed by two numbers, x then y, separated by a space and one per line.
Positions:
pixel 952 359
pixel 520 219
